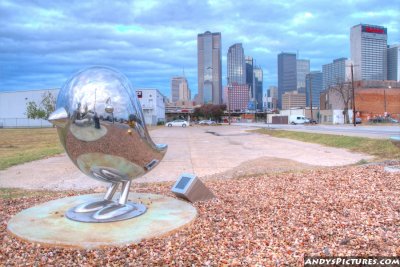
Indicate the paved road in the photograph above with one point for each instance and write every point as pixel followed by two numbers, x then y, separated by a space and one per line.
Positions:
pixel 379 132
pixel 205 151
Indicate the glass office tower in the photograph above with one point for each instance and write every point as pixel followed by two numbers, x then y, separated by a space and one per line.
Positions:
pixel 236 65
pixel 287 74
pixel 209 68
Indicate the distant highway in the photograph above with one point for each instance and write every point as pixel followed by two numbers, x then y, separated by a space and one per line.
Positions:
pixel 377 132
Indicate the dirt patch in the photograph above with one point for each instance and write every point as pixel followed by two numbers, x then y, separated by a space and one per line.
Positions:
pixel 263 165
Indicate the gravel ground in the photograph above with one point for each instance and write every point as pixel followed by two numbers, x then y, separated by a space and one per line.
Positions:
pixel 268 220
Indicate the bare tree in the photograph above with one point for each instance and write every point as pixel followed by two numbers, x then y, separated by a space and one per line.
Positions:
pixel 344 90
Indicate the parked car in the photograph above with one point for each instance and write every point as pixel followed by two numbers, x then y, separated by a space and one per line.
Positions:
pixel 207 122
pixel 297 119
pixel 312 121
pixel 377 119
pixel 181 123
pixel 391 120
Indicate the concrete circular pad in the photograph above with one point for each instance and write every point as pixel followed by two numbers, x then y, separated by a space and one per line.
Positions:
pixel 46 223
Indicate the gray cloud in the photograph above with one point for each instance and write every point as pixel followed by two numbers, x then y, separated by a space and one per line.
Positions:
pixel 42 43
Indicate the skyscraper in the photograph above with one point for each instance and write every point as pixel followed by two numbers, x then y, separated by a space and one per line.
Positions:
pixel 209 67
pixel 180 89
pixel 175 81
pixel 303 68
pixel 238 97
pixel 273 94
pixel 336 72
pixel 236 65
pixel 368 45
pixel 250 75
pixel 184 91
pixel 258 87
pixel 313 79
pixel 287 74
pixel 393 63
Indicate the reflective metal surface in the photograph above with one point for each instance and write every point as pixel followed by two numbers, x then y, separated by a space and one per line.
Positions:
pixel 101 126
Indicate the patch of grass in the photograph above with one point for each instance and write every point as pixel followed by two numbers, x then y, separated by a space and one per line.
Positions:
pixel 382 149
pixel 23 145
pixel 15 193
pixel 361 162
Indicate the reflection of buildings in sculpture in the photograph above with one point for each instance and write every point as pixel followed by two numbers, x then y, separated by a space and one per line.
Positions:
pixel 115 141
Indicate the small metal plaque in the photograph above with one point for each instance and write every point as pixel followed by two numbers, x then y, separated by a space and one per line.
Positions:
pixel 183 182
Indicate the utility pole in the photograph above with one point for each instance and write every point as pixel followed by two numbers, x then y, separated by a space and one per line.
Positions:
pixel 354 99
pixel 255 110
pixel 229 108
pixel 384 98
pixel 312 117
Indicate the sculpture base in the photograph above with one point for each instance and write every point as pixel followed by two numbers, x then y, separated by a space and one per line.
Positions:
pixel 128 211
pixel 46 223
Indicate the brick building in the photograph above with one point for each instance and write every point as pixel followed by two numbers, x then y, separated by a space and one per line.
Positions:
pixel 237 97
pixel 372 98
pixel 293 99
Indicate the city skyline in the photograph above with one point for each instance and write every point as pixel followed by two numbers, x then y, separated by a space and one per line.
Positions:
pixel 43 44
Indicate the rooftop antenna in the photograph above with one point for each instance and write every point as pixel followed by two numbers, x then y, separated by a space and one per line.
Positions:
pixel 298 55
pixel 183 71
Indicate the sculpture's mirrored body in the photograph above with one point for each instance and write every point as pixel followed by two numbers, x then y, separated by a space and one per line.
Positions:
pixel 101 126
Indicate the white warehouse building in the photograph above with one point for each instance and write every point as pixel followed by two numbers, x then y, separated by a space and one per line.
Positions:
pixel 153 105
pixel 13 107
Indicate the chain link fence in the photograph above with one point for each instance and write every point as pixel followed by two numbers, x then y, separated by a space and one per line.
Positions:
pixel 24 123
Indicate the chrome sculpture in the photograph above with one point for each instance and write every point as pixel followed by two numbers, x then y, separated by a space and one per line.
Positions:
pixel 101 126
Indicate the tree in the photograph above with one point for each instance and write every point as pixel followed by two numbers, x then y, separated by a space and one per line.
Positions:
pixel 43 109
pixel 345 92
pixel 209 111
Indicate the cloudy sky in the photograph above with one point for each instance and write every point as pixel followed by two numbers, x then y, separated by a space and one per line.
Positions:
pixel 42 43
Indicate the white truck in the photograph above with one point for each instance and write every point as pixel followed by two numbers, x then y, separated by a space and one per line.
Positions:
pixel 298 119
